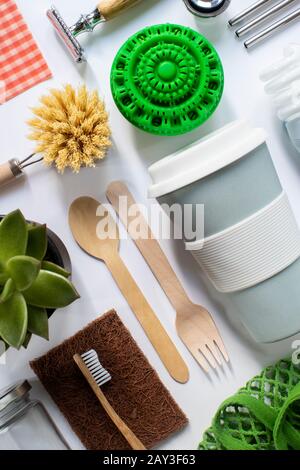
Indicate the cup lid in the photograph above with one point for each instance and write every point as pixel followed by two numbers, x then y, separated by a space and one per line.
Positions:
pixel 13 392
pixel 204 157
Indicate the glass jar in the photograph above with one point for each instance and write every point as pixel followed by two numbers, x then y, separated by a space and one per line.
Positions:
pixel 25 424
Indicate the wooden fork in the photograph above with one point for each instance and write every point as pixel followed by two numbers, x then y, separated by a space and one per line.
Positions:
pixel 194 324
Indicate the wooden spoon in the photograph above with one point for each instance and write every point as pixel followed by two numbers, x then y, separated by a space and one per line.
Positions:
pixel 97 234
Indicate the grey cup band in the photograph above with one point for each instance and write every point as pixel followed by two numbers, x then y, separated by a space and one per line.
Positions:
pixel 251 251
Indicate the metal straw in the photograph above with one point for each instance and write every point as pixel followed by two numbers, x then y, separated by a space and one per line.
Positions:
pixel 247 12
pixel 280 24
pixel 263 17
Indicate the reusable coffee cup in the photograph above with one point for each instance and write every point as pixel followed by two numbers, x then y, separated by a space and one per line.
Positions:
pixel 250 246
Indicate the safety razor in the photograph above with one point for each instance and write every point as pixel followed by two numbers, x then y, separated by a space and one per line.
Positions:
pixel 105 11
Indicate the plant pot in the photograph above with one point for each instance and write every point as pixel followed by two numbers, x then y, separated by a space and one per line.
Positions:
pixel 57 253
pixel 251 244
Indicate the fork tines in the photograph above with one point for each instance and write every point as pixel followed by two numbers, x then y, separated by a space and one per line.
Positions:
pixel 91 360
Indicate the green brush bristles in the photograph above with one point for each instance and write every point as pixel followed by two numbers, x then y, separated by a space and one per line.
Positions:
pixel 71 128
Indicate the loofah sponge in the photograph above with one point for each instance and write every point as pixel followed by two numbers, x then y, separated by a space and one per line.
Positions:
pixel 71 128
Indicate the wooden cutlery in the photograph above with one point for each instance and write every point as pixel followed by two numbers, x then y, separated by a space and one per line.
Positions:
pixel 194 323
pixel 85 218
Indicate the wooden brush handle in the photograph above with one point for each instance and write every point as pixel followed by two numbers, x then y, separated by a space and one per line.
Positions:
pixel 6 174
pixel 147 318
pixel 129 435
pixel 149 248
pixel 111 8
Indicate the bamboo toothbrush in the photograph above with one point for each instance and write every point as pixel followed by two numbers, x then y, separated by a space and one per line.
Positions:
pixel 97 376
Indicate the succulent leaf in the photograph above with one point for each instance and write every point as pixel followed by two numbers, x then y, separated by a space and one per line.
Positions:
pixel 3 274
pixel 48 266
pixel 13 236
pixel 38 321
pixel 50 290
pixel 23 270
pixel 37 241
pixel 8 290
pixel 13 320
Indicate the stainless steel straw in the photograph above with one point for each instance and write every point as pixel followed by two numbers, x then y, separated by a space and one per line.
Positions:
pixel 278 25
pixel 247 12
pixel 263 17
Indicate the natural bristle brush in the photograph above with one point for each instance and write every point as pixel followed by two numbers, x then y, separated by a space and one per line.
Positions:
pixel 97 376
pixel 105 11
pixel 71 130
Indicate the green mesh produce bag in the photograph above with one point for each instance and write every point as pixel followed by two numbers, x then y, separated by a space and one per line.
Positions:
pixel 263 415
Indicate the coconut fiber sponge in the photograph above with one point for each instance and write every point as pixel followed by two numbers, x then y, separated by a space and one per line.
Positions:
pixel 135 391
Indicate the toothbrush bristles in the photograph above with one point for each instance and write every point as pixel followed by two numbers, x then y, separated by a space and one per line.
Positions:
pixel 91 360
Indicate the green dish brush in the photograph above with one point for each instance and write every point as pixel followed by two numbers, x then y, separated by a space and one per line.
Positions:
pixel 263 415
pixel 167 79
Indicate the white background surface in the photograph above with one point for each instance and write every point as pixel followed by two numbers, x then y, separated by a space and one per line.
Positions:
pixel 45 197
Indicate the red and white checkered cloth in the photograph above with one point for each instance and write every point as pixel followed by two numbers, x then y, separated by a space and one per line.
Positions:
pixel 21 63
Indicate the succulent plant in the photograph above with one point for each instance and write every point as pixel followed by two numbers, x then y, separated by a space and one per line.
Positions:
pixel 29 285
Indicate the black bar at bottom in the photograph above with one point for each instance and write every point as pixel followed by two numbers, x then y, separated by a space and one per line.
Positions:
pixel 131 459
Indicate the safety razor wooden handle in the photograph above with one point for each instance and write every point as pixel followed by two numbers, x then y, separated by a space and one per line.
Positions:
pixel 111 8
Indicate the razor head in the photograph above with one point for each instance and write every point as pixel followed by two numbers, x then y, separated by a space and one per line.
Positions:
pixel 69 40
pixel 99 374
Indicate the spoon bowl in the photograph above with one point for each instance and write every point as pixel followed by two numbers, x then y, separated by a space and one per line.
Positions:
pixel 93 227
